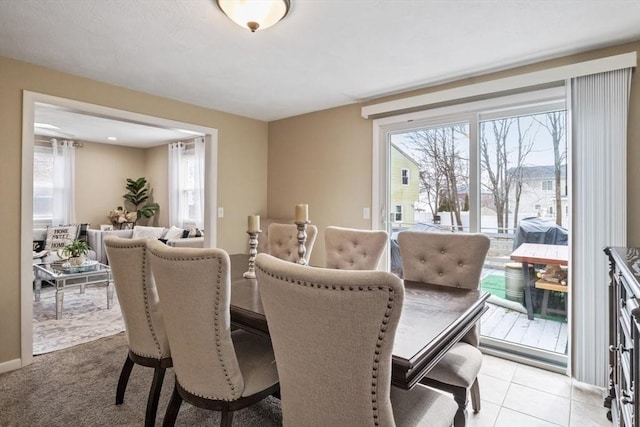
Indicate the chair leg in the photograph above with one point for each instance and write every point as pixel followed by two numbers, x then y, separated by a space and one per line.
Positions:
pixel 226 418
pixel 475 396
pixel 460 396
pixel 172 409
pixel 124 380
pixel 154 396
pixel 460 419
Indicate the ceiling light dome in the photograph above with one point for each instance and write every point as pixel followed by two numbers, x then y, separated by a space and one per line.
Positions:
pixel 254 14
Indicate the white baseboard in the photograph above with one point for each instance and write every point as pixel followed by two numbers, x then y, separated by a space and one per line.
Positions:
pixel 10 365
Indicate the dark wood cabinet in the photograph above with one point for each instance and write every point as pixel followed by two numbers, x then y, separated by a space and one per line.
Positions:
pixel 624 336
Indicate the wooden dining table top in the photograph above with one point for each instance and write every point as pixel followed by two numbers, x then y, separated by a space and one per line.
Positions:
pixel 433 319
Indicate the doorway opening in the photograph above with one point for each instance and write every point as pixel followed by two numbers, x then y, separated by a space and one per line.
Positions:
pixel 30 102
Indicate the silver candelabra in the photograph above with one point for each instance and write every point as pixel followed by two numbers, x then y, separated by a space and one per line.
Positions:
pixel 302 239
pixel 253 251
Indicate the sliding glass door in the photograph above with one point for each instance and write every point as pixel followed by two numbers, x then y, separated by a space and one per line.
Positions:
pixel 498 167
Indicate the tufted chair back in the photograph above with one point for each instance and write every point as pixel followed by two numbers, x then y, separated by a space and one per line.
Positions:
pixel 138 297
pixel 332 333
pixel 352 249
pixel 283 241
pixel 194 285
pixel 263 238
pixel 445 259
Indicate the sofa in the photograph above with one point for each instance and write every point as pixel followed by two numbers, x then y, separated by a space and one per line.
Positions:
pixel 96 241
pixel 40 236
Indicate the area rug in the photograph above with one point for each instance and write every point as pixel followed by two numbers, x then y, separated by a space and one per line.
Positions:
pixel 85 317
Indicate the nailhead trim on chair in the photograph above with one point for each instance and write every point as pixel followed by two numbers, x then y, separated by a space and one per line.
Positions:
pixel 217 330
pixel 381 335
pixel 146 302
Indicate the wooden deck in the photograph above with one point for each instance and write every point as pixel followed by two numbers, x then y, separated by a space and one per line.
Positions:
pixel 512 326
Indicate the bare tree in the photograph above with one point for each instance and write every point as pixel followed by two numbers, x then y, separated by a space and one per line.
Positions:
pixel 554 122
pixel 502 163
pixel 525 145
pixel 442 167
pixel 493 157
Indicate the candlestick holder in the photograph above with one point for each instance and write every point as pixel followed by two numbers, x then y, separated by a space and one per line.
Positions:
pixel 253 251
pixel 302 239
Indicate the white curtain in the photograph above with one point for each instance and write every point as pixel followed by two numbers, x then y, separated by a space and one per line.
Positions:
pixel 63 182
pixel 176 152
pixel 198 179
pixel 186 183
pixel 599 112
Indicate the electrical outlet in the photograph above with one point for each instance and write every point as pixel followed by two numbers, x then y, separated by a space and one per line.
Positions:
pixel 220 212
pixel 366 213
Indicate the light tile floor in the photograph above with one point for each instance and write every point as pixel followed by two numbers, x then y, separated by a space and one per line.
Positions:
pixel 516 395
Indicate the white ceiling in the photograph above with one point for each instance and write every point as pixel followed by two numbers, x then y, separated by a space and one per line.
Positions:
pixel 81 126
pixel 325 53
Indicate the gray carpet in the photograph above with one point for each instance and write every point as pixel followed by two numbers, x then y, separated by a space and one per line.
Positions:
pixel 77 387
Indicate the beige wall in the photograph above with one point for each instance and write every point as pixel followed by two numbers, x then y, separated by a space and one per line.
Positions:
pixel 156 169
pixel 101 174
pixel 324 158
pixel 242 167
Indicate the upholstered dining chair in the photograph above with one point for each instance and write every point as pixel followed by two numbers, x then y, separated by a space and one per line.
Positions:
pixel 333 334
pixel 283 241
pixel 215 368
pixel 144 325
pixel 353 249
pixel 449 259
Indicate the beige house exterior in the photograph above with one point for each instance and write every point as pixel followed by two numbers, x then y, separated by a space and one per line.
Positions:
pixel 404 189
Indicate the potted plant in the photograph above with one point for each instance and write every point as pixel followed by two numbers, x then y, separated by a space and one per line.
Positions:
pixel 139 194
pixel 76 250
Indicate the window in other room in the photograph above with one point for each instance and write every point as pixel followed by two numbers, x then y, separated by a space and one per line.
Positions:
pixel 42 185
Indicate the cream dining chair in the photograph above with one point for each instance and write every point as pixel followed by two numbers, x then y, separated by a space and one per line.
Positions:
pixel 283 241
pixel 354 249
pixel 144 325
pixel 333 334
pixel 215 368
pixel 449 259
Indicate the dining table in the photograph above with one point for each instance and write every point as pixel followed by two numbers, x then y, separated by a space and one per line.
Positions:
pixel 434 318
pixel 537 253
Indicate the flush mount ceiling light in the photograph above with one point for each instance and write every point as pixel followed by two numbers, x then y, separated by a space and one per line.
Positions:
pixel 254 14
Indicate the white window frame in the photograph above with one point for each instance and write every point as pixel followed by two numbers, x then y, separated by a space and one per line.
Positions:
pixel 397 212
pixel 403 176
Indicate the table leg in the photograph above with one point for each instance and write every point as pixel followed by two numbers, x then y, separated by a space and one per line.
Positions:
pixel 82 288
pixel 59 303
pixel 527 290
pixel 38 289
pixel 109 294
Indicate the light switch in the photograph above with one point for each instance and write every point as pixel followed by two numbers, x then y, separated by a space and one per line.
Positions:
pixel 220 212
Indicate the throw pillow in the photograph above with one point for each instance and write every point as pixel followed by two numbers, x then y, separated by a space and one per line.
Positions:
pixel 59 237
pixel 195 232
pixel 144 232
pixel 38 245
pixel 174 233
pixel 82 230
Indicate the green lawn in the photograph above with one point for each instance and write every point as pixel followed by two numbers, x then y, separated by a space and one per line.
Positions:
pixel 494 284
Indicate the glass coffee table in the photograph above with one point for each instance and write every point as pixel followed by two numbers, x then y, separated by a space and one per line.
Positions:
pixel 62 277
